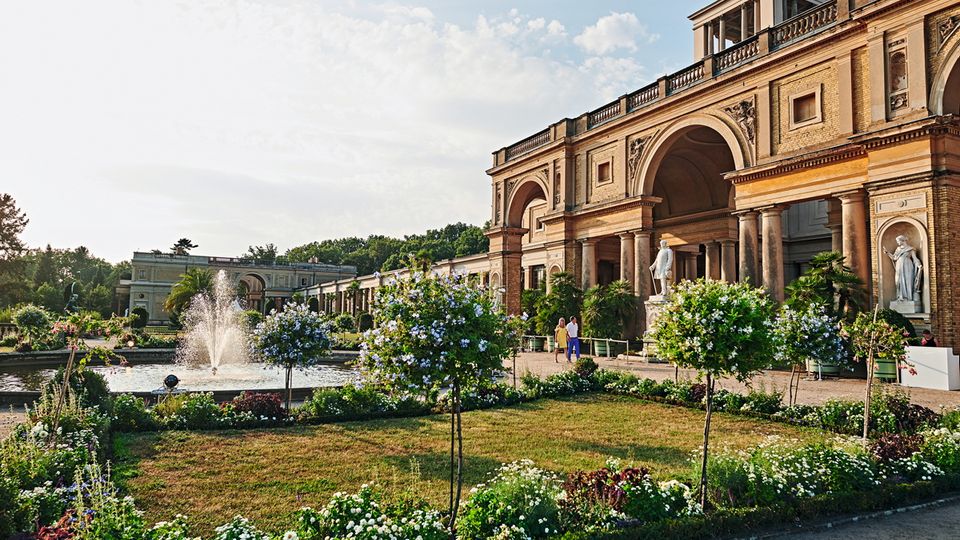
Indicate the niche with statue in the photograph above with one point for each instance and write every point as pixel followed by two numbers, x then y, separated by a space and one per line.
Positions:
pixel 904 283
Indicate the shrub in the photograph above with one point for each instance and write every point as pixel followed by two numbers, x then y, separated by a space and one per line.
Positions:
pixel 189 411
pixel 520 501
pixel 344 323
pixel 364 322
pixel 563 300
pixel 608 310
pixel 130 414
pixel 252 318
pixel 32 321
pixel 90 387
pixel 239 528
pixel 262 405
pixel 358 401
pixel 759 401
pixel 176 529
pixel 585 367
pixel 9 341
pixel 893 446
pixel 139 318
pixel 364 516
pixel 942 447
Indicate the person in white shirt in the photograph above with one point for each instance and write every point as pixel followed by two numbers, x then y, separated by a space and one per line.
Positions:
pixel 573 338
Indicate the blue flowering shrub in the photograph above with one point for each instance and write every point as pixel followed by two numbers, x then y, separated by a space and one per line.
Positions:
pixel 520 501
pixel 805 334
pixel 365 516
pixel 433 332
pixel 293 338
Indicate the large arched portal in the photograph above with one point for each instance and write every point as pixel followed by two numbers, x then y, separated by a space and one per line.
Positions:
pixel 250 290
pixel 522 254
pixel 945 88
pixel 686 171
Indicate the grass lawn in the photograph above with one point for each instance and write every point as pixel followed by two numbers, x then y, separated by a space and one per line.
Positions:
pixel 268 474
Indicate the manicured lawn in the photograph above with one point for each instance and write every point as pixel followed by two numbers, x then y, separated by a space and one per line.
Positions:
pixel 267 474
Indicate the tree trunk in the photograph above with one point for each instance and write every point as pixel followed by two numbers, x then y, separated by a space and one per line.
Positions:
pixel 453 434
pixel 866 401
pixel 63 394
pixel 456 502
pixel 706 444
pixel 793 371
pixel 289 384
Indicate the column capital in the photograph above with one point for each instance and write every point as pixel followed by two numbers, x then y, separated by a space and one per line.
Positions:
pixel 745 214
pixel 588 241
pixel 851 197
pixel 642 232
pixel 727 243
pixel 773 209
pixel 625 235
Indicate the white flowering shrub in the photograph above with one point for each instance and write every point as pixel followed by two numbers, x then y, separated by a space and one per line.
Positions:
pixel 364 516
pixel 806 334
pixel 648 500
pixel 719 329
pixel 520 501
pixel 942 447
pixel 293 338
pixel 239 528
pixel 175 529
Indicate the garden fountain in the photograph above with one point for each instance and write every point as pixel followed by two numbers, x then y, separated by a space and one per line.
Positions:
pixel 214 330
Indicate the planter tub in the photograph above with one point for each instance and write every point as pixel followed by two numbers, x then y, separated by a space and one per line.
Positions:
pixel 830 369
pixel 885 369
pixel 551 344
pixel 600 347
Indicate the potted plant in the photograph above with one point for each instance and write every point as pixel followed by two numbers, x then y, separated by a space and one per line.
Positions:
pixel 607 310
pixel 529 299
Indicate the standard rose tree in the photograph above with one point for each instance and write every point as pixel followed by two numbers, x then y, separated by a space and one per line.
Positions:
pixel 433 333
pixel 719 329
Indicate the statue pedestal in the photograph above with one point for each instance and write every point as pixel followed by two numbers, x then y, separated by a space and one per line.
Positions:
pixel 654 306
pixel 905 306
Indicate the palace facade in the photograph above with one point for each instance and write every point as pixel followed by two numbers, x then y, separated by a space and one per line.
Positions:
pixel 802 126
pixel 263 285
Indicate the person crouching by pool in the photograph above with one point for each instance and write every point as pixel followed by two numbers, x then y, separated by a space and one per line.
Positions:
pixel 560 337
pixel 573 338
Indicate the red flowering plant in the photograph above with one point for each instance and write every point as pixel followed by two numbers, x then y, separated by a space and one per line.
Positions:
pixel 874 339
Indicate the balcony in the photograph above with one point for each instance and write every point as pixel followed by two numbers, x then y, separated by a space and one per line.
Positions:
pixel 769 40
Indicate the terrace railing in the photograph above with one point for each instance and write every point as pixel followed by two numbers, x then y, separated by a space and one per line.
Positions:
pixel 529 144
pixel 803 24
pixel 685 77
pixel 645 95
pixel 603 114
pixel 736 55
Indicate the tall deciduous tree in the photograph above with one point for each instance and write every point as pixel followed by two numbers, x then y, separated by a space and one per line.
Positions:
pixel 719 329
pixel 266 254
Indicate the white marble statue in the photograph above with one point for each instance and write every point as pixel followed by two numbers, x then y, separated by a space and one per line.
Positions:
pixel 662 267
pixel 907 266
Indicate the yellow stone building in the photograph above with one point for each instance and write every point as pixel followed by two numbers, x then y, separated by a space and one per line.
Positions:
pixel 801 126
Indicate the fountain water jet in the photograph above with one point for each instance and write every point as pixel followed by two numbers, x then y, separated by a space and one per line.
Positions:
pixel 214 330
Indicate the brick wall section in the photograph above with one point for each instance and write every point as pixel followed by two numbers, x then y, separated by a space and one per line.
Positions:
pixel 946 287
pixel 861 90
pixel 783 139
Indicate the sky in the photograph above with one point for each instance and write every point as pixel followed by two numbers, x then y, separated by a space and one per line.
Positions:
pixel 127 124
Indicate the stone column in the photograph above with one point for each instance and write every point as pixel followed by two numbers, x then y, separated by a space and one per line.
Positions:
pixel 641 269
pixel 743 21
pixel 712 266
pixel 772 232
pixel 835 224
pixel 749 255
pixel 690 265
pixel 627 266
pixel 589 259
pixel 728 261
pixel 722 39
pixel 855 242
pixel 339 302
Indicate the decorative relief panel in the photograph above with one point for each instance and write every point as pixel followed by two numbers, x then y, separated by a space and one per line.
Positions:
pixel 902 204
pixel 635 157
pixel 941 29
pixel 556 184
pixel 498 205
pixel 946 29
pixel 897 84
pixel 744 114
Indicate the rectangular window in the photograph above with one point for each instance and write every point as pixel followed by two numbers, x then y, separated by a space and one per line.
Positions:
pixel 142 274
pixel 603 173
pixel 805 108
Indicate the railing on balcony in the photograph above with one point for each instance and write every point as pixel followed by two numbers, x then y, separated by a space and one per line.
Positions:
pixel 529 144
pixel 736 55
pixel 685 77
pixel 603 114
pixel 803 24
pixel 643 96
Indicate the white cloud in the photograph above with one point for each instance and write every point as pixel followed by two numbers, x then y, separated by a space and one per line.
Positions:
pixel 129 124
pixel 613 32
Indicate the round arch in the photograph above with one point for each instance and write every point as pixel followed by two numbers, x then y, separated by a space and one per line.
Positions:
pixel 664 141
pixel 528 189
pixel 945 90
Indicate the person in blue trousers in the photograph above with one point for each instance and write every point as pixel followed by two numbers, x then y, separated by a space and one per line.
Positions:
pixel 573 338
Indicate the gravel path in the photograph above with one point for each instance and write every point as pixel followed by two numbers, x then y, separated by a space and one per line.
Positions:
pixel 931 523
pixel 9 419
pixel 811 392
